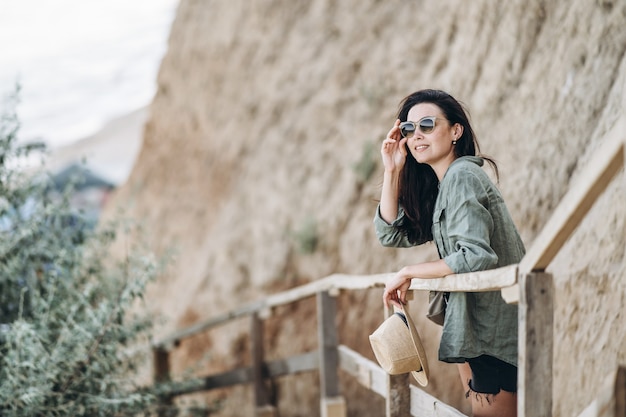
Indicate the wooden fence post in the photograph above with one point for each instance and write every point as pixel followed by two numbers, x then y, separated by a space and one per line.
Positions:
pixel 619 391
pixel 398 398
pixel 161 372
pixel 262 402
pixel 332 404
pixel 536 312
pixel 161 363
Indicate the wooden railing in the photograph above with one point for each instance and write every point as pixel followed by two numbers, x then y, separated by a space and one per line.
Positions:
pixel 328 358
pixel 526 284
pixel 600 170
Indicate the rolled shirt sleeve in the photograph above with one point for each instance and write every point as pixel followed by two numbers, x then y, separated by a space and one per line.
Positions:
pixel 469 225
pixel 391 235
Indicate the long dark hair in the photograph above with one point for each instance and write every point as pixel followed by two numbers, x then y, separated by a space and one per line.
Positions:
pixel 419 185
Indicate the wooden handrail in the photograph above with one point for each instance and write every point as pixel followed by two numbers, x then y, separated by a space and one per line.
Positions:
pixel 490 280
pixel 594 179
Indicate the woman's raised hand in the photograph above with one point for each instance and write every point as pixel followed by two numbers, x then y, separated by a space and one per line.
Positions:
pixel 393 150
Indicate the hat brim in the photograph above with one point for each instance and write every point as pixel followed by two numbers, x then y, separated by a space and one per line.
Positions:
pixel 422 375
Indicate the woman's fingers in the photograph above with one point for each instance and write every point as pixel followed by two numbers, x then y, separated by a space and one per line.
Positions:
pixel 386 297
pixel 402 296
pixel 396 289
pixel 394 140
pixel 391 146
pixel 401 147
pixel 394 132
pixel 392 297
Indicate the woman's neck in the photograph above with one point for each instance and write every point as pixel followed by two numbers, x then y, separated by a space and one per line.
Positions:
pixel 441 167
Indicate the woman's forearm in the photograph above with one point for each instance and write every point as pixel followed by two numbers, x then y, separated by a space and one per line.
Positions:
pixel 389 196
pixel 397 285
pixel 427 270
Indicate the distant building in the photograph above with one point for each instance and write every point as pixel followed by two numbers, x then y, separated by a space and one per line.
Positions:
pixel 90 191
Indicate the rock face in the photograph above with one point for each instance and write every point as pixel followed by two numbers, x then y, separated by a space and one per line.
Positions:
pixel 260 167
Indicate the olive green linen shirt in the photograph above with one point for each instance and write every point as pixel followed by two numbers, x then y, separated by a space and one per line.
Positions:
pixel 473 231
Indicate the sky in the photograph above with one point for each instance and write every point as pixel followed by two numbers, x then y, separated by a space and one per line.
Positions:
pixel 80 63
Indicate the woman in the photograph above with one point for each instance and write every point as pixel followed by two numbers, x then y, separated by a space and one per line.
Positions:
pixel 435 189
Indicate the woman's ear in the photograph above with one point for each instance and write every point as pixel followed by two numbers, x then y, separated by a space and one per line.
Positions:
pixel 458 131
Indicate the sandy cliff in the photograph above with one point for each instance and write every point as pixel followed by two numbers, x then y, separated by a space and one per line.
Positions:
pixel 268 115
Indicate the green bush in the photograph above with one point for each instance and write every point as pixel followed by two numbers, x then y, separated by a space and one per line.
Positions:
pixel 70 336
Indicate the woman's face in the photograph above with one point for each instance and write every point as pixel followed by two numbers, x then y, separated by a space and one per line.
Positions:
pixel 434 148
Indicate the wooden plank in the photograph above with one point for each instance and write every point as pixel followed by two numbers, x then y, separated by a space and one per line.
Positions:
pixel 174 338
pixel 161 370
pixel 333 407
pixel 425 405
pixel 332 403
pixel 358 282
pixel 305 362
pixel 398 396
pixel 298 293
pixel 620 391
pixel 262 306
pixel 599 172
pixel 535 343
pixel 490 280
pixel 222 380
pixel 225 379
pixel 327 339
pixel 511 294
pixel 474 281
pixel 368 373
pixel 161 364
pixel 373 377
pixel 261 392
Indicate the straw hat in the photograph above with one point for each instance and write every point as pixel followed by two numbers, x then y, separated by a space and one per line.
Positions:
pixel 398 348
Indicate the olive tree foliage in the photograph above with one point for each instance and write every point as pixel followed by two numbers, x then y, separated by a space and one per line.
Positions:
pixel 71 332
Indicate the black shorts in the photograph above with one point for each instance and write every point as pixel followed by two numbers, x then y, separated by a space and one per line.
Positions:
pixel 490 375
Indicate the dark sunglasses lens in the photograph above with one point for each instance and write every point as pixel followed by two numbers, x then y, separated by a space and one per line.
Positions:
pixel 427 125
pixel 407 129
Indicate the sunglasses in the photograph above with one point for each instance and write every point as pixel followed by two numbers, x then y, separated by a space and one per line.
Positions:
pixel 425 125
